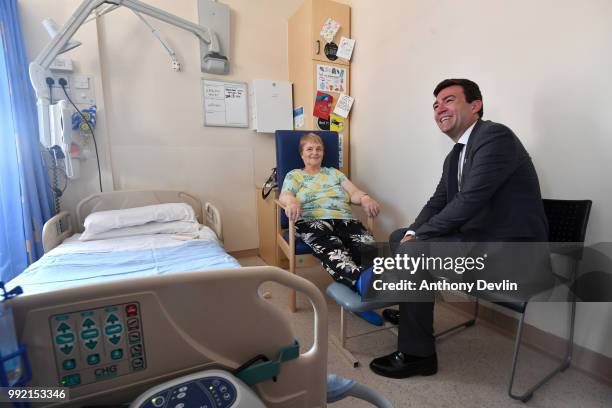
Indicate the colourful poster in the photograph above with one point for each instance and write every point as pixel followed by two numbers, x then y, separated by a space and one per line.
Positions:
pixel 323 105
pixel 331 79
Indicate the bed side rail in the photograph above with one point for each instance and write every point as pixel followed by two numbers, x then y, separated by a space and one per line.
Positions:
pixel 56 230
pixel 212 219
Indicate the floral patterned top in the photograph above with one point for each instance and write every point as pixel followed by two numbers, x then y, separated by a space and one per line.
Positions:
pixel 321 195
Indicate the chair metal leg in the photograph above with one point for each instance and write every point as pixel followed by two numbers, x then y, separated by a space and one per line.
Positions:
pixel 342 327
pixel 466 324
pixel 341 344
pixel 526 396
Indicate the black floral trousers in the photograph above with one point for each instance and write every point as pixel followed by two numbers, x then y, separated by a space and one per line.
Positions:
pixel 339 244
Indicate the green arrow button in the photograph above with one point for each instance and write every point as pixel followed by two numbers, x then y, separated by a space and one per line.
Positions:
pixel 63 328
pixel 115 339
pixel 91 344
pixel 88 323
pixel 66 349
pixel 112 319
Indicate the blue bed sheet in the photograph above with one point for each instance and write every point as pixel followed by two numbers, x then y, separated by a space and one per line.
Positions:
pixel 75 269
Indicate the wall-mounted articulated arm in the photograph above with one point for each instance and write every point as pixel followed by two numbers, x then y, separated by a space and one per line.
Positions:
pixel 53 49
pixel 217 64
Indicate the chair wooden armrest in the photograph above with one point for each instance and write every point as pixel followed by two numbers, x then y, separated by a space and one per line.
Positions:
pixel 288 248
pixel 56 230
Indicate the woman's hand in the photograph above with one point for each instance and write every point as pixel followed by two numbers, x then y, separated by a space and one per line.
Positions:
pixel 370 205
pixel 293 211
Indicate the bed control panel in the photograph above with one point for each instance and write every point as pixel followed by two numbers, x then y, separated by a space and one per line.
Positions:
pixel 206 389
pixel 98 344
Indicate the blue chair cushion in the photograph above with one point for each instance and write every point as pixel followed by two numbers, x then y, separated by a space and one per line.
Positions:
pixel 350 300
pixel 300 246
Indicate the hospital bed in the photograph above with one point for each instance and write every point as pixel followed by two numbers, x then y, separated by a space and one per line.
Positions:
pixel 110 337
pixel 150 254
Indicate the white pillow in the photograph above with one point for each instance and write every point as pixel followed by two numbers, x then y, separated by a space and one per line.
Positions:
pixel 171 227
pixel 103 221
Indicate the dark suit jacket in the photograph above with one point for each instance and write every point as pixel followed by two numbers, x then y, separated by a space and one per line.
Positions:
pixel 500 194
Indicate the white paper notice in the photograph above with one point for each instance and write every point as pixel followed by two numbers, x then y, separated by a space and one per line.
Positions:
pixel 345 49
pixel 343 106
pixel 235 97
pixel 214 105
pixel 329 29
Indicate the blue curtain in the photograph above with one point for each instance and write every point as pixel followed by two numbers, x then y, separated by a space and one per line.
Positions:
pixel 25 195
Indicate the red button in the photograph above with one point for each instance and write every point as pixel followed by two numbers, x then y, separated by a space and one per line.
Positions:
pixel 131 310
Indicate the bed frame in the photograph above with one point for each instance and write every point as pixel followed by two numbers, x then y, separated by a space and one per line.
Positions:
pixel 60 227
pixel 186 322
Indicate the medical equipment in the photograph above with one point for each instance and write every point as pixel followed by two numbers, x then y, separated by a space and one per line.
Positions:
pixel 60 117
pixel 213 62
pixel 111 341
pixel 209 388
pixel 52 29
pixel 217 388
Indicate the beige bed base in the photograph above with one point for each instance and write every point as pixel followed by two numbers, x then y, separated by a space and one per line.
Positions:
pixel 60 227
pixel 188 322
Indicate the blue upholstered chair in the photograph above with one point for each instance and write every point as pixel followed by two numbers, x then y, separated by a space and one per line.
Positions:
pixel 287 159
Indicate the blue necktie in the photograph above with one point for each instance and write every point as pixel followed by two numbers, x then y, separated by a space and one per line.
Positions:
pixel 452 185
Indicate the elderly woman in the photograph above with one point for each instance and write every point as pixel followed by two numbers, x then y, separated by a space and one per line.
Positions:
pixel 319 200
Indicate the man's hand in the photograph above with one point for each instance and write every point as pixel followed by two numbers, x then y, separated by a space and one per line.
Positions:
pixel 370 205
pixel 293 211
pixel 408 237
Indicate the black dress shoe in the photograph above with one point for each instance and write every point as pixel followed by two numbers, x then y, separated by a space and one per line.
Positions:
pixel 391 315
pixel 400 365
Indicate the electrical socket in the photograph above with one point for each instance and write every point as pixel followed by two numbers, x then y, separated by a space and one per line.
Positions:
pixel 57 78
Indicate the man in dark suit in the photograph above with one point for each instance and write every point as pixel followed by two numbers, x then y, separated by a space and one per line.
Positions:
pixel 489 191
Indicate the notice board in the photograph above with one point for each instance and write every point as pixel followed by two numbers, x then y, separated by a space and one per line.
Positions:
pixel 225 103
